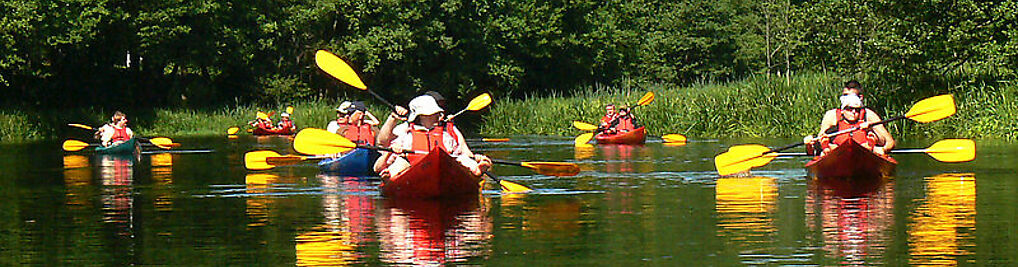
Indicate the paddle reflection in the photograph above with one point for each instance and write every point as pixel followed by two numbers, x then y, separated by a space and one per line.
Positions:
pixel 855 218
pixel 943 227
pixel 552 219
pixel 77 177
pixel 117 174
pixel 162 175
pixel 257 209
pixel 429 232
pixel 745 208
pixel 348 217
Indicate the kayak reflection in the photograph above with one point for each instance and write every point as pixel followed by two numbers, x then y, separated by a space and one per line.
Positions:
pixel 433 231
pixel 943 228
pixel 855 218
pixel 348 218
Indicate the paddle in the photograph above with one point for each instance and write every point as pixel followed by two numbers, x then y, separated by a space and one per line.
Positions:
pixel 232 130
pixel 545 168
pixel 475 104
pixel 583 126
pixel 495 140
pixel 337 68
pixel 161 142
pixel 744 157
pixel 584 138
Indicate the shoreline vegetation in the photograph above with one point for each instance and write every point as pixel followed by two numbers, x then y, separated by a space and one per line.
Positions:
pixel 754 107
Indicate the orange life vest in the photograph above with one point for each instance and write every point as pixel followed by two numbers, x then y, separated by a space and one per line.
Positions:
pixel 362 134
pixel 120 135
pixel 625 124
pixel 607 119
pixel 424 140
pixel 863 137
pixel 287 124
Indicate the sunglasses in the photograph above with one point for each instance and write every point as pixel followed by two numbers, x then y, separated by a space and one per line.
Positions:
pixel 852 109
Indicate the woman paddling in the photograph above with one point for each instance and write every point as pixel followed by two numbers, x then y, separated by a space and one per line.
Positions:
pixel 114 132
pixel 423 130
pixel 851 101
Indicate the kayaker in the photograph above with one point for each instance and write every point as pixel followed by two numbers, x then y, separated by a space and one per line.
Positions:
pixel 424 129
pixel 285 123
pixel 624 121
pixel 341 118
pixel 114 132
pixel 358 125
pixel 609 115
pixel 262 121
pixel 851 114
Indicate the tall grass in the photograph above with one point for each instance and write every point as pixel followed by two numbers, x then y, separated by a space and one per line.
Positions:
pixel 757 107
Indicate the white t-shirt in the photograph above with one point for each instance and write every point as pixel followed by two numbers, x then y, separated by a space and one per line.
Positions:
pixel 405 139
pixel 107 131
pixel 333 127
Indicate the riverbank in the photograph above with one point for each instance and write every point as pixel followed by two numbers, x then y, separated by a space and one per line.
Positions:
pixel 754 107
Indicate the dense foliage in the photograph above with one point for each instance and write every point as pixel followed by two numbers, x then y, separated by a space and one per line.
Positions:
pixel 143 53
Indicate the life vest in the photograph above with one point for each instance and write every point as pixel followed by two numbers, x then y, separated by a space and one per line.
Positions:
pixel 607 119
pixel 264 124
pixel 425 140
pixel 625 124
pixel 286 125
pixel 863 137
pixel 362 134
pixel 120 135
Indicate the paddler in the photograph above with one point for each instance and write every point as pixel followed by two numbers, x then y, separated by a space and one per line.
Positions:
pixel 262 121
pixel 114 132
pixel 341 118
pixel 609 115
pixel 285 123
pixel 355 123
pixel 624 121
pixel 851 114
pixel 423 130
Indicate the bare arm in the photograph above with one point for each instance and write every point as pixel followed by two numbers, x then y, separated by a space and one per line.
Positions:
pixel 830 119
pixel 883 136
pixel 372 120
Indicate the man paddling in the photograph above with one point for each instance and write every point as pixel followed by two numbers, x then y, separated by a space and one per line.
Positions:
pixel 851 114
pixel 355 123
pixel 609 115
pixel 423 130
pixel 114 132
pixel 285 123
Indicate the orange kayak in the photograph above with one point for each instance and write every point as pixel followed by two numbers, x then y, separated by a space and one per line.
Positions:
pixel 634 137
pixel 263 131
pixel 436 175
pixel 852 160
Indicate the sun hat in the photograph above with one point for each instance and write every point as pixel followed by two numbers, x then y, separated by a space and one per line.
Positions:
pixel 851 100
pixel 344 107
pixel 423 105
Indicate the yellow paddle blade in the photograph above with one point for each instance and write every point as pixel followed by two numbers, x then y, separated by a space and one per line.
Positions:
pixel 932 109
pixel 163 142
pixel 511 187
pixel 553 168
pixel 479 102
pixel 314 141
pixel 741 158
pixel 250 130
pixel 289 110
pixel 583 126
pixel 284 160
pixel 646 99
pixel 255 160
pixel 338 68
pixel 583 139
pixel 953 150
pixel 232 130
pixel 86 127
pixel 674 138
pixel 262 115
pixel 495 139
pixel 74 145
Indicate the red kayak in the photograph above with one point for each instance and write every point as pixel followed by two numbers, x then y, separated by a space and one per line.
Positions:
pixel 634 137
pixel 852 160
pixel 436 175
pixel 273 131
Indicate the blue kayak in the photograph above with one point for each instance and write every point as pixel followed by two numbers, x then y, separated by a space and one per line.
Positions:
pixel 358 162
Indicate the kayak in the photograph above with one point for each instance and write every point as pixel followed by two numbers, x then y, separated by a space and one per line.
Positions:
pixel 273 131
pixel 436 175
pixel 358 162
pixel 634 137
pixel 852 160
pixel 124 148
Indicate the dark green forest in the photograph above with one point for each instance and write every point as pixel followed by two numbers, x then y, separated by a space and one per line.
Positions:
pixel 170 53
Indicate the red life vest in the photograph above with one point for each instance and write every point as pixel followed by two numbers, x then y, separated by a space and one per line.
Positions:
pixel 287 124
pixel 425 140
pixel 120 135
pixel 625 124
pixel 362 134
pixel 264 124
pixel 859 135
pixel 607 119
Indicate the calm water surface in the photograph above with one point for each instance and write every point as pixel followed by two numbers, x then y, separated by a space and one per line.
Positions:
pixel 631 205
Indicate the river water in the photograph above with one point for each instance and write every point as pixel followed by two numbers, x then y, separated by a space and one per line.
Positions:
pixel 631 205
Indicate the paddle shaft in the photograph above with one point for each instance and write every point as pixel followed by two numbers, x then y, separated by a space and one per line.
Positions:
pixel 832 135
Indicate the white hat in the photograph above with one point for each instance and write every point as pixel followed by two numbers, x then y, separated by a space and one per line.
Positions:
pixel 344 107
pixel 851 100
pixel 423 105
pixel 287 115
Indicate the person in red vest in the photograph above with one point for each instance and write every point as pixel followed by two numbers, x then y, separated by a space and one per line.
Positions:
pixel 851 114
pixel 115 132
pixel 286 123
pixel 355 123
pixel 624 121
pixel 423 130
pixel 609 115
pixel 263 121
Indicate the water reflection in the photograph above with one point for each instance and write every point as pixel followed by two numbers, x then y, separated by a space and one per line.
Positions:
pixel 257 209
pixel 745 208
pixel 943 227
pixel 117 175
pixel 162 174
pixel 348 217
pixel 77 178
pixel 855 218
pixel 429 232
